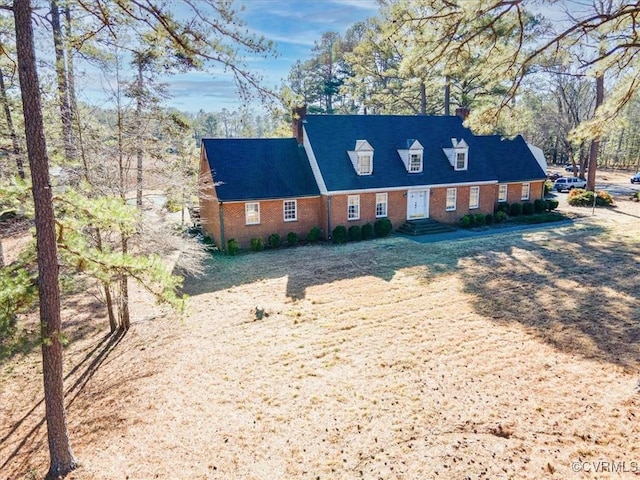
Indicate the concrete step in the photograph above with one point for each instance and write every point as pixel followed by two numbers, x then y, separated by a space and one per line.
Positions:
pixel 425 226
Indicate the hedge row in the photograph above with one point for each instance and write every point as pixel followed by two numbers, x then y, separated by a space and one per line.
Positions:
pixel 503 210
pixel 381 228
pixel 257 244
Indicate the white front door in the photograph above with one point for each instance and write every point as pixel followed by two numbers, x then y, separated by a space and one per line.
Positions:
pixel 417 204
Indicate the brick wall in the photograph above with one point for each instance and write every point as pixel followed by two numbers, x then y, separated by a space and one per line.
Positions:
pixel 209 209
pixel 271 220
pixel 396 209
pixel 438 202
pixel 514 192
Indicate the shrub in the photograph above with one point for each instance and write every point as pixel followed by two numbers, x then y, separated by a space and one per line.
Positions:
pixel 604 199
pixel 528 208
pixel 233 247
pixel 478 219
pixel 256 244
pixel 551 204
pixel 172 205
pixel 539 205
pixel 488 218
pixel 366 232
pixel 584 198
pixel 515 209
pixel 502 207
pixel 382 227
pixel 466 221
pixel 500 216
pixel 209 246
pixel 274 240
pixel 339 234
pixel 635 197
pixel 313 235
pixel 292 239
pixel 548 187
pixel 355 233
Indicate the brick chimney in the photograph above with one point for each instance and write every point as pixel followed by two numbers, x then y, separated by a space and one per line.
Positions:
pixel 462 112
pixel 298 116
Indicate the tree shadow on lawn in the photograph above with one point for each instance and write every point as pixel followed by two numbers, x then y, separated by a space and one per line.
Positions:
pixel 579 294
pixel 576 289
pixel 34 441
pixel 310 265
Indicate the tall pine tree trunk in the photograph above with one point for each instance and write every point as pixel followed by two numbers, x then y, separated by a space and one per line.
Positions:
pixel 12 131
pixel 139 151
pixel 63 86
pixel 595 143
pixel 113 325
pixel 123 282
pixel 447 96
pixel 61 456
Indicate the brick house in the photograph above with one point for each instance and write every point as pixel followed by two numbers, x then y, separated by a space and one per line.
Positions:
pixel 353 169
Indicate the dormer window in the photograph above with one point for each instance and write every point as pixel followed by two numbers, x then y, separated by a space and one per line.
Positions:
pixel 458 155
pixel 415 162
pixel 411 156
pixel 362 157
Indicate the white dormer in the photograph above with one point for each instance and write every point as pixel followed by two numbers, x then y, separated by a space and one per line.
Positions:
pixel 458 155
pixel 362 157
pixel 412 156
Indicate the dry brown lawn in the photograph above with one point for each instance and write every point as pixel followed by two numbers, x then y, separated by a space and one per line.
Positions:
pixel 509 356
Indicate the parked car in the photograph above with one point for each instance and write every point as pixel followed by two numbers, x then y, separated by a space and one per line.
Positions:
pixel 636 178
pixel 569 183
pixel 569 168
pixel 554 176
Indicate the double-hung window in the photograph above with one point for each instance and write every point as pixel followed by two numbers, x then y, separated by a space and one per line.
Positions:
pixel 415 162
pixel 353 207
pixel 365 164
pixel 461 161
pixel 451 199
pixel 381 205
pixel 474 197
pixel 252 213
pixel 502 193
pixel 290 210
pixel 525 191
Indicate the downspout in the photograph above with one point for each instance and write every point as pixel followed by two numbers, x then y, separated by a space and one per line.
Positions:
pixel 329 217
pixel 222 241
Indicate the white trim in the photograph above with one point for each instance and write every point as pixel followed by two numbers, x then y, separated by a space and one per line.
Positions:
pixel 356 204
pixel 477 204
pixel 386 204
pixel 455 200
pixel 410 187
pixel 405 155
pixel 426 195
pixel 522 196
pixel 506 192
pixel 315 168
pixel 362 150
pixel 538 154
pixel 295 210
pixel 249 200
pixel 246 217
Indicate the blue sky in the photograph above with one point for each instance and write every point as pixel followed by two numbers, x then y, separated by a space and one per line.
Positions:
pixel 293 26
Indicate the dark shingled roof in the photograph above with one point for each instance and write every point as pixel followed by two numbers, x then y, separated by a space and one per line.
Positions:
pixel 490 158
pixel 511 160
pixel 257 169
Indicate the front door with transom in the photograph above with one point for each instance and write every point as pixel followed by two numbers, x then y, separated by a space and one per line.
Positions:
pixel 417 204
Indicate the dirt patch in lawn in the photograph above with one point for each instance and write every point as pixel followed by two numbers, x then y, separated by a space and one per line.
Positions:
pixel 509 356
